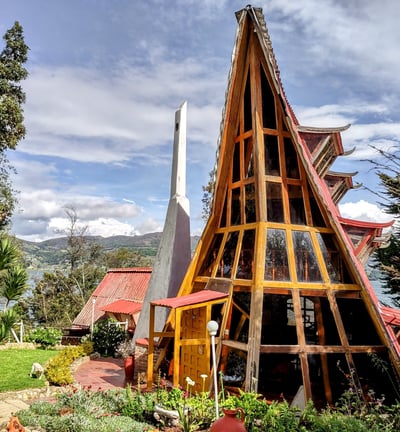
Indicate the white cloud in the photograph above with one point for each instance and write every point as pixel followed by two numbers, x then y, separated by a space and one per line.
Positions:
pixel 364 211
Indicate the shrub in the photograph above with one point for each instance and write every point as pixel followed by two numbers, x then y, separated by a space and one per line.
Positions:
pixel 107 336
pixel 45 337
pixel 58 369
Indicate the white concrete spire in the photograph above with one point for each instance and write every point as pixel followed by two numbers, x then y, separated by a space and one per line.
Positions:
pixel 178 177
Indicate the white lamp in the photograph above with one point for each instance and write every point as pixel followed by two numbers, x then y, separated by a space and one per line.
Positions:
pixel 212 328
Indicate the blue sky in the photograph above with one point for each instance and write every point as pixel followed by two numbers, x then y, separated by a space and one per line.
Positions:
pixel 106 77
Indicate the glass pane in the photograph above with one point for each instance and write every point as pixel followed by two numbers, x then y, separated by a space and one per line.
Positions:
pixel 335 265
pixel 278 320
pixel 271 150
pixel 236 163
pixel 276 261
pixel 248 158
pixel 239 324
pixel 317 218
pixel 318 322
pixel 228 256
pixel 246 258
pixel 360 329
pixel 223 216
pixel 247 106
pixel 274 202
pixel 292 167
pixel 296 204
pixel 208 264
pixel 268 102
pixel 250 205
pixel 307 268
pixel 377 376
pixel 235 207
pixel 279 376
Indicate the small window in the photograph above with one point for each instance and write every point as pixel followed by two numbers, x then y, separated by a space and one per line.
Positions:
pixel 268 102
pixel 209 262
pixel 235 207
pixel 292 166
pixel 247 106
pixel 236 163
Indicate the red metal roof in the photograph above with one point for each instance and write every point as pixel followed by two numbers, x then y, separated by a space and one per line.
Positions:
pixel 118 284
pixel 390 316
pixel 190 299
pixel 123 306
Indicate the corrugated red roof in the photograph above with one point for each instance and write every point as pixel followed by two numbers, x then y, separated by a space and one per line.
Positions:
pixel 118 284
pixel 390 316
pixel 123 306
pixel 190 299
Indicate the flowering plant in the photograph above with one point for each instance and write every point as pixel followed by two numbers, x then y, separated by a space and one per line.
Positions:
pixel 125 349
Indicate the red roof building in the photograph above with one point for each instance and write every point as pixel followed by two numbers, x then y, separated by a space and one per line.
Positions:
pixel 119 295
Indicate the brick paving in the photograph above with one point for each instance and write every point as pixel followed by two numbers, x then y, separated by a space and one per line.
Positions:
pixel 101 374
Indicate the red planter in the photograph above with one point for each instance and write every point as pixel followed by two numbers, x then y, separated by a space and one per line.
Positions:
pixel 229 423
pixel 129 367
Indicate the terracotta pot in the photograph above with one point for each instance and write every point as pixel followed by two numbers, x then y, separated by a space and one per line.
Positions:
pixel 229 422
pixel 129 367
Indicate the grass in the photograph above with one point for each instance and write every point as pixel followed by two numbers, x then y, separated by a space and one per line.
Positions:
pixel 16 365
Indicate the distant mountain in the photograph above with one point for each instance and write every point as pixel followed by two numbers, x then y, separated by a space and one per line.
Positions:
pixel 51 254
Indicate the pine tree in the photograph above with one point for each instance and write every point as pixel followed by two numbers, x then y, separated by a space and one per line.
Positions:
pixel 388 171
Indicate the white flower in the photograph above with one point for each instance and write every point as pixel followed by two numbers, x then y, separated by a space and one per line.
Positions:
pixel 189 381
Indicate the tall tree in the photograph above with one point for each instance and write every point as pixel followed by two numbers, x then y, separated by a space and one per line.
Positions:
pixel 12 97
pixel 388 170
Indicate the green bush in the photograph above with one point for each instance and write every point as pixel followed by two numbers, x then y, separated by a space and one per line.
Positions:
pixel 107 335
pixel 45 337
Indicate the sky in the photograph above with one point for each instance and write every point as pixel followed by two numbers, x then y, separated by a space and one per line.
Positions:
pixel 106 77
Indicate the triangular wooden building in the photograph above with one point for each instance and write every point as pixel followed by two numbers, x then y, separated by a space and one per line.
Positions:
pixel 277 266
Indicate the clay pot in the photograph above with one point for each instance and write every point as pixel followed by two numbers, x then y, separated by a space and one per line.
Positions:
pixel 229 422
pixel 129 367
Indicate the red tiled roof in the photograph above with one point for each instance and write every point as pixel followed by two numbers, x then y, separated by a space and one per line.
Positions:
pixel 118 284
pixel 122 306
pixel 190 299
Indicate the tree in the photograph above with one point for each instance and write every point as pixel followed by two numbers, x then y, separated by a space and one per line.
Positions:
pixel 13 283
pixel 388 170
pixel 12 97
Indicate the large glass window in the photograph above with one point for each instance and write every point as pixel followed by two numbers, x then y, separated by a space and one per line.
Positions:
pixel 278 320
pixel 335 265
pixel 296 204
pixel 268 102
pixel 250 206
pixel 246 257
pixel 274 202
pixel 307 268
pixel 228 256
pixel 235 206
pixel 276 261
pixel 292 167
pixel 209 262
pixel 271 150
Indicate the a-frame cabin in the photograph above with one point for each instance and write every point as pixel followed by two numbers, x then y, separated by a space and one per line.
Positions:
pixel 277 266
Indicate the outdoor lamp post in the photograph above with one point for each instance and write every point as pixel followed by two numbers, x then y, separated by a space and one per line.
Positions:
pixel 92 321
pixel 212 327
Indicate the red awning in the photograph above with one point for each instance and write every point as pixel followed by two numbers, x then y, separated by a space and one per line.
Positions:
pixel 190 299
pixel 122 306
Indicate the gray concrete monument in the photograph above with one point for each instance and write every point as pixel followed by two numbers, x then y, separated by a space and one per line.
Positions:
pixel 174 252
